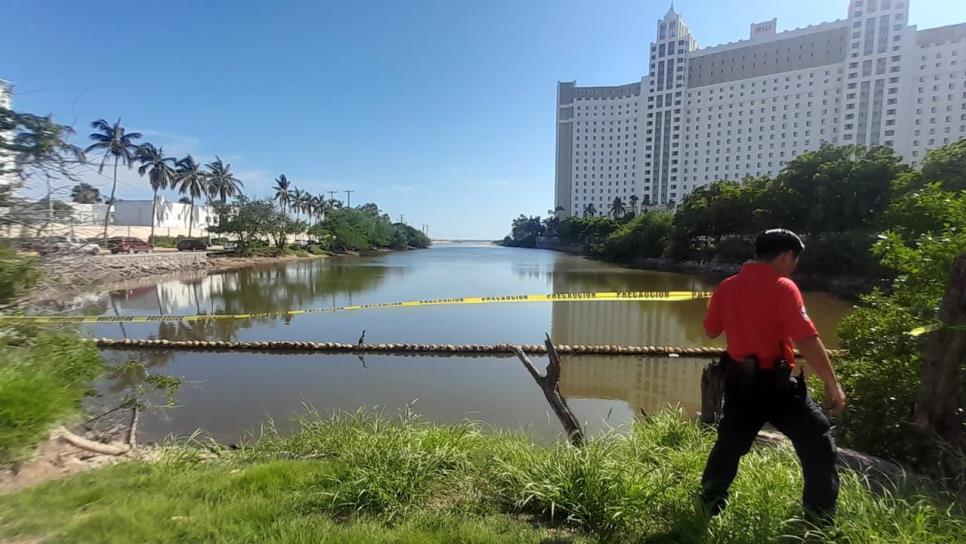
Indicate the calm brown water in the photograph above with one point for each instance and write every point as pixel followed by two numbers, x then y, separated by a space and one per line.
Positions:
pixel 230 394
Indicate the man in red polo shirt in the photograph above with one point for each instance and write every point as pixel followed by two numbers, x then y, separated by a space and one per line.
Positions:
pixel 761 313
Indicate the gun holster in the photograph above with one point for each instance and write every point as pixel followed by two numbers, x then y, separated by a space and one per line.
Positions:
pixel 741 374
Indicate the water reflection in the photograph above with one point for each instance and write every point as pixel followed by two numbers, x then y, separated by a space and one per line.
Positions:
pixel 647 385
pixel 295 285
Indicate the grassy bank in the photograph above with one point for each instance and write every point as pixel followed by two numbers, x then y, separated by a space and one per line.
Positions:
pixel 43 379
pixel 366 479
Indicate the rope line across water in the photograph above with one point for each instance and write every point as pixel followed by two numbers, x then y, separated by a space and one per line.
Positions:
pixel 600 296
pixel 447 349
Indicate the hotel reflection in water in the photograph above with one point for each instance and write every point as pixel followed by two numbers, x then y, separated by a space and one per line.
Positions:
pixel 648 385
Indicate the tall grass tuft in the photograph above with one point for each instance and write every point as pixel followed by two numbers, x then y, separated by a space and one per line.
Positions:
pixel 385 467
pixel 42 380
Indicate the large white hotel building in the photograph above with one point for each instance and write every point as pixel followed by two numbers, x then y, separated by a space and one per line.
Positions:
pixel 749 107
pixel 6 164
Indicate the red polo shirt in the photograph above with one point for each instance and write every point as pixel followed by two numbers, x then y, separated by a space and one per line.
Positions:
pixel 760 313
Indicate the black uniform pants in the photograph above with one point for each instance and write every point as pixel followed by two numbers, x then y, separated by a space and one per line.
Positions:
pixel 746 409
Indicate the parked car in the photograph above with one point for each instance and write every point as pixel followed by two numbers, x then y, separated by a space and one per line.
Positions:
pixel 64 245
pixel 128 244
pixel 230 246
pixel 189 244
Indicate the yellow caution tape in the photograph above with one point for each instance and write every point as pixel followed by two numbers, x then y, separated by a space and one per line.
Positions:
pixel 612 296
pixel 919 331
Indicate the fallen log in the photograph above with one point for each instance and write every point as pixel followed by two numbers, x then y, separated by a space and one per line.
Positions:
pixel 90 445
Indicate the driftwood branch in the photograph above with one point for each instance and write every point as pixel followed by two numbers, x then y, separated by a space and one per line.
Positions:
pixel 132 432
pixel 549 384
pixel 90 445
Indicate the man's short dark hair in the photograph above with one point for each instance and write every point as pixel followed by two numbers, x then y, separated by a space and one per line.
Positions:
pixel 773 242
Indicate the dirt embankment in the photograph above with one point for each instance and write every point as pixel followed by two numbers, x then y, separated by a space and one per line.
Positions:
pixel 71 275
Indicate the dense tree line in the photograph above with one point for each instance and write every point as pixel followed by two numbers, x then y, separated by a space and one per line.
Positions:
pixel 838 198
pixel 251 222
pixel 365 227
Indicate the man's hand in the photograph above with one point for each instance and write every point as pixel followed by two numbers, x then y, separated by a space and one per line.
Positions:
pixel 834 399
pixel 814 351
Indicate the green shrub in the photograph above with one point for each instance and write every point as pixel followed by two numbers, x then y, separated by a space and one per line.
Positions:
pixel 590 232
pixel 841 254
pixel 735 249
pixel 17 273
pixel 645 236
pixel 42 382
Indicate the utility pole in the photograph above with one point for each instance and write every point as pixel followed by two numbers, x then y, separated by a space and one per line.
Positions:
pixel 402 219
pixel 348 198
pixel 50 202
pixel 331 194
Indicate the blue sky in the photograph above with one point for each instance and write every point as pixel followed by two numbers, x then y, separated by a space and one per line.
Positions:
pixel 442 110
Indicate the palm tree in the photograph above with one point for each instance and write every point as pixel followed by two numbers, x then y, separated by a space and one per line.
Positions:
pixel 634 201
pixel 85 193
pixel 590 210
pixel 617 209
pixel 283 193
pixel 191 180
pixel 296 197
pixel 160 173
pixel 118 143
pixel 304 203
pixel 222 181
pixel 318 206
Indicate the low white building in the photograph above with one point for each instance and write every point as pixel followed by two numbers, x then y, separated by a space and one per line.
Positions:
pixel 167 214
pixel 137 213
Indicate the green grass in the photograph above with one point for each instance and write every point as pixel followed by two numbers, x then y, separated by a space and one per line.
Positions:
pixel 362 478
pixel 42 382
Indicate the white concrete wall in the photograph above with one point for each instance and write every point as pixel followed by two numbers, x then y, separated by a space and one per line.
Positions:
pixel 168 214
pixel 96 231
pixel 137 213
